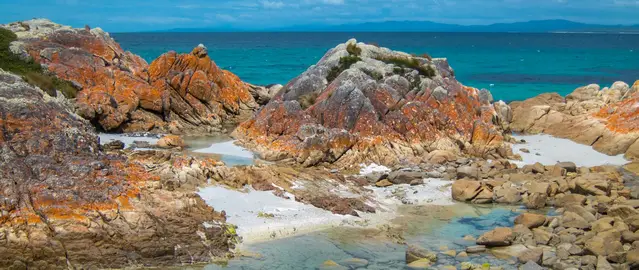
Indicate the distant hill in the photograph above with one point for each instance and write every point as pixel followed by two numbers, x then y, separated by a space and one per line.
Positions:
pixel 540 26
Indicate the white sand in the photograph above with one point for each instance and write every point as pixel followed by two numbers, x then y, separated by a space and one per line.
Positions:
pixel 432 192
pixel 552 150
pixel 127 139
pixel 227 148
pixel 372 168
pixel 291 217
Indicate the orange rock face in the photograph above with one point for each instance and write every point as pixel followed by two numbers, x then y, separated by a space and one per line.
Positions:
pixel 64 204
pixel 607 119
pixel 398 115
pixel 119 91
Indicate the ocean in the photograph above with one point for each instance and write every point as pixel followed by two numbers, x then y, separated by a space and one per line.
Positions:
pixel 514 66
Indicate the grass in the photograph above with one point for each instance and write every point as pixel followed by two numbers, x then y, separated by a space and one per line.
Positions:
pixel 373 74
pixel 308 100
pixel 265 215
pixel 352 49
pixel 410 62
pixel 344 63
pixel 31 72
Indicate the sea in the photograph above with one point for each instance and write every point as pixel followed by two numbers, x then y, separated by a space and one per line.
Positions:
pixel 514 66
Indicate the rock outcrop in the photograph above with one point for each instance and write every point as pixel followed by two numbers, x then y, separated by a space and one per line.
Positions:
pixel 64 204
pixel 362 102
pixel 119 91
pixel 604 118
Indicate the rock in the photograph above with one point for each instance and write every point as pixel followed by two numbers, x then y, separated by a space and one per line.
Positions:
pixel 530 220
pixel 404 177
pixel 331 265
pixel 530 265
pixel 475 249
pixel 451 253
pixel 467 172
pixel 420 264
pixel 415 253
pixel 362 112
pixel 536 201
pixel 632 257
pixel 113 145
pixel 509 252
pixel 549 258
pixel 590 115
pixel 500 236
pixel 465 190
pixel 603 246
pixel 541 236
pixel 538 168
pixel 572 220
pixel 507 194
pixel 603 264
pixel 568 166
pixel 54 178
pixel 622 211
pixel 384 183
pixel 469 238
pixel 119 91
pixel 354 263
pixel 171 141
pixel 570 199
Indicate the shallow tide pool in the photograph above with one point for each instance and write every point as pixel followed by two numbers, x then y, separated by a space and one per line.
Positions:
pixel 433 227
pixel 219 147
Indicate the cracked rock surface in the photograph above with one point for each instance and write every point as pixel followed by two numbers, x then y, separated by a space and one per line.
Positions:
pixel 65 204
pixel 365 103
pixel 119 91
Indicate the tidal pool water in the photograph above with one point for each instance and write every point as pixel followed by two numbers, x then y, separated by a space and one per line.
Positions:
pixel 219 147
pixel 437 228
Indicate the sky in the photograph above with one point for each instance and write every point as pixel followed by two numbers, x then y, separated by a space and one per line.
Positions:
pixel 153 15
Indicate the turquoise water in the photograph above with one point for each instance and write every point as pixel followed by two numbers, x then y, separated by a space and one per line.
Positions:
pixel 517 65
pixel 431 227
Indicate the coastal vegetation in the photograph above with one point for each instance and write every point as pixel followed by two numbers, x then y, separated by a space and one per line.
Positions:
pixel 30 71
pixel 410 63
pixel 344 63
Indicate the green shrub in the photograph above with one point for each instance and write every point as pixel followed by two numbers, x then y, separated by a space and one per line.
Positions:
pixel 427 56
pixel 373 74
pixel 352 49
pixel 308 100
pixel 31 72
pixel 410 62
pixel 344 63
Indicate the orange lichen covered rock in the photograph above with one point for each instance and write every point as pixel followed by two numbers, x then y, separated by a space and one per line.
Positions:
pixel 119 91
pixel 64 204
pixel 607 119
pixel 387 107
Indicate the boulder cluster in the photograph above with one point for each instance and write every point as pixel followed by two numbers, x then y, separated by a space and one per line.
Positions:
pixel 365 103
pixel 604 118
pixel 65 204
pixel 119 92
pixel 593 226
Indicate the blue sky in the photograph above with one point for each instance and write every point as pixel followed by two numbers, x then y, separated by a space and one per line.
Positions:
pixel 131 15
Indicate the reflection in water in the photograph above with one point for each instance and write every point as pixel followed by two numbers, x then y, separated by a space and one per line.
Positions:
pixel 219 147
pixel 433 227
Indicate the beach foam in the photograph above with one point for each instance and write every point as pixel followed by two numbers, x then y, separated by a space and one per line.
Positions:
pixel 552 150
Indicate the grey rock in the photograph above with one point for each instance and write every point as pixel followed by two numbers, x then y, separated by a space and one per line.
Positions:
pixel 475 249
pixel 569 166
pixel 467 172
pixel 530 265
pixel 404 177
